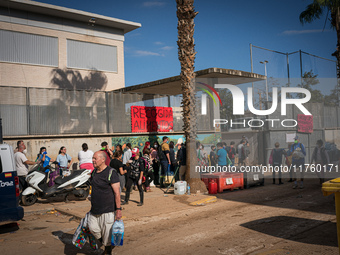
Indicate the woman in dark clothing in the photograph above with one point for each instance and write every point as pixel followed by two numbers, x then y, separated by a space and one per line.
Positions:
pixel 148 171
pixel 155 162
pixel 172 159
pixel 116 164
pixel 135 174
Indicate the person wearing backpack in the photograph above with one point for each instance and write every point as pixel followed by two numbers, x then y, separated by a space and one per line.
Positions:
pixel 164 157
pixel 276 161
pixel 320 157
pixel 232 153
pixel 137 168
pixel 105 201
pixel 298 152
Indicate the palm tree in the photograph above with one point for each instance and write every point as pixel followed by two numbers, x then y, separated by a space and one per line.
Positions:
pixel 186 55
pixel 314 10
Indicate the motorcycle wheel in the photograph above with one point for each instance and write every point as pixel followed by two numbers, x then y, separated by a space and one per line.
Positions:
pixel 84 195
pixel 29 199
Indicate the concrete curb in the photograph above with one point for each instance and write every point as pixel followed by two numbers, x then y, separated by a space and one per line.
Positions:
pixel 204 201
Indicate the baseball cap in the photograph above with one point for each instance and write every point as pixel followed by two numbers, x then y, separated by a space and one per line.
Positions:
pixel 135 151
pixel 296 138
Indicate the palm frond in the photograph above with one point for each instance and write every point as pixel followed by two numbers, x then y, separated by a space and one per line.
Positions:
pixel 311 13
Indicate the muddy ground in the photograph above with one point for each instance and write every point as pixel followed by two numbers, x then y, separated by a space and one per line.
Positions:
pixel 270 219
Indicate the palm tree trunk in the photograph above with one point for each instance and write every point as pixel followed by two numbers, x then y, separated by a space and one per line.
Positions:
pixel 186 55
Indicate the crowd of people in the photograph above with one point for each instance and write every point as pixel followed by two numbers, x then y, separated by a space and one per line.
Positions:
pixel 136 168
pixel 224 155
pixel 295 160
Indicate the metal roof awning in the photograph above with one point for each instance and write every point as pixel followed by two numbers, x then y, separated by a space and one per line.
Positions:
pixel 172 85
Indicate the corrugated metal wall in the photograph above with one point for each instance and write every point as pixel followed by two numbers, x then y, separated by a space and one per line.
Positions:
pixel 13 111
pixel 92 56
pixel 28 48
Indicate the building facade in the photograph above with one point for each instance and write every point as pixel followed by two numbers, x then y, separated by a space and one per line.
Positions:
pixel 46 46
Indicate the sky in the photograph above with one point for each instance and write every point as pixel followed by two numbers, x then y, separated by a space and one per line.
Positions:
pixel 224 30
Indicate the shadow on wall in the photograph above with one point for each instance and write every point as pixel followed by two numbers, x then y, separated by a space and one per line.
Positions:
pixel 76 112
pixel 70 79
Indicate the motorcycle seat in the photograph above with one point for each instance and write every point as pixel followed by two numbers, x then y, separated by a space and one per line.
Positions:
pixel 60 180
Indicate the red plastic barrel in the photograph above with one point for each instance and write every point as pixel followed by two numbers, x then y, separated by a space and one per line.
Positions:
pixel 212 186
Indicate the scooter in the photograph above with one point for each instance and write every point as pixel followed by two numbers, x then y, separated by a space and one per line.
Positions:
pixel 38 180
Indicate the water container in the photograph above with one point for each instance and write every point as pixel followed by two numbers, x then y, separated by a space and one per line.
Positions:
pixel 180 187
pixel 117 233
pixel 212 186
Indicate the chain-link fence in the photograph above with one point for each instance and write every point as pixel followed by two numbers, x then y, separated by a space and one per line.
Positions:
pixel 37 111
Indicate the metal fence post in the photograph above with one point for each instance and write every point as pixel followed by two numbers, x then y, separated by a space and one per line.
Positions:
pixel 1 138
pixel 28 110
pixel 107 112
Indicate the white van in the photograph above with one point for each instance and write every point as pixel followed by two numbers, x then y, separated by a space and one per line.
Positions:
pixel 9 186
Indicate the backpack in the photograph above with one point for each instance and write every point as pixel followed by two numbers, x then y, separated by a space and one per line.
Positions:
pixel 161 154
pixel 146 165
pixel 277 156
pixel 230 153
pixel 297 153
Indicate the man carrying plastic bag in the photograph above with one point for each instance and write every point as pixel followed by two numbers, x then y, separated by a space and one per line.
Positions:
pixel 82 233
pixel 105 201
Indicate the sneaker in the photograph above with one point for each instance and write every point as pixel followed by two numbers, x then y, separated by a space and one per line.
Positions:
pixel 124 203
pixel 295 186
pixel 139 204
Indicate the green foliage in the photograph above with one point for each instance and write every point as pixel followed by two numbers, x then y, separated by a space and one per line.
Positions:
pixel 314 11
pixel 309 79
pixel 226 110
pixel 212 139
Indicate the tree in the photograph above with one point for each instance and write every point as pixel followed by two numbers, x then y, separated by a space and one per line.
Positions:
pixel 226 110
pixel 314 10
pixel 309 79
pixel 186 55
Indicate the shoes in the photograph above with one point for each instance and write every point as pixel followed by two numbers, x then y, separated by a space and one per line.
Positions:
pixel 135 188
pixel 124 203
pixel 301 187
pixel 139 204
pixel 108 250
pixel 295 186
pixel 280 183
pixel 290 180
